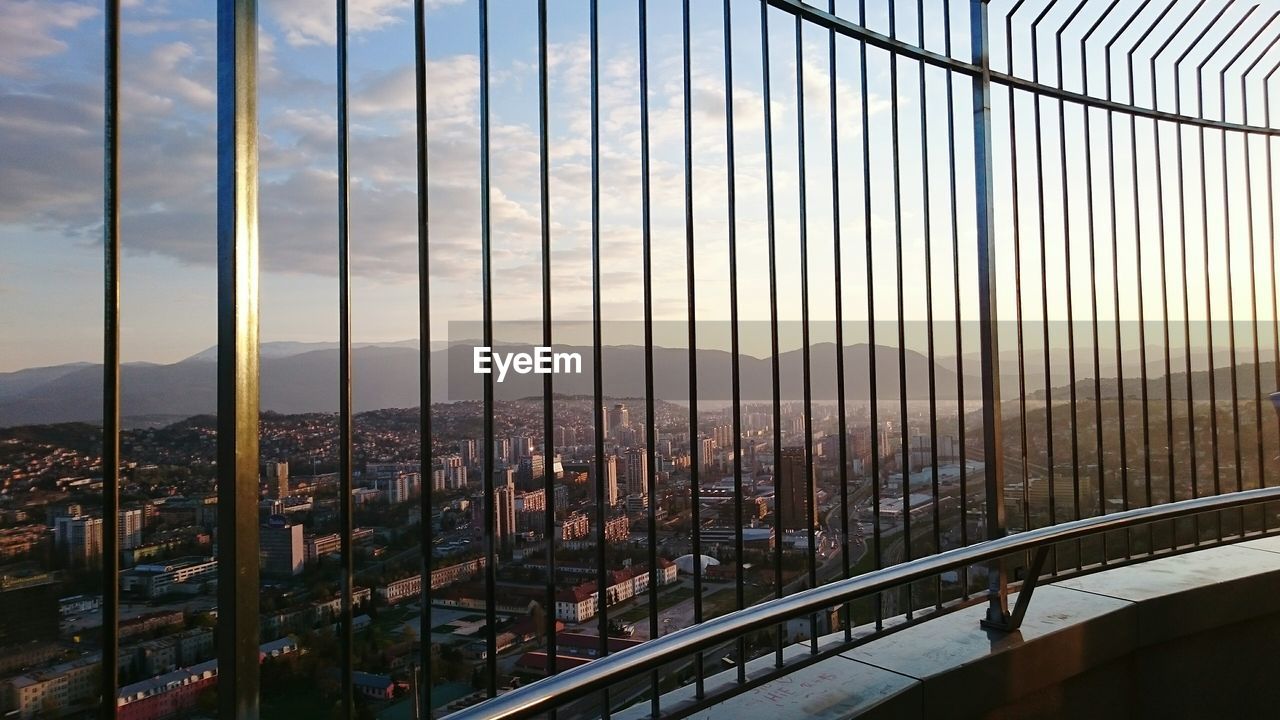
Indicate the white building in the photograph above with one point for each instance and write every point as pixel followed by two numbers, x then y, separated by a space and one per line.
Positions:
pixel 79 539
pixel 399 488
pixel 44 693
pixel 129 529
pixel 576 604
pixel 156 580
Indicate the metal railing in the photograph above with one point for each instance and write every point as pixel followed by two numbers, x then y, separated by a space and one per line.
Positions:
pixel 581 681
pixel 987 147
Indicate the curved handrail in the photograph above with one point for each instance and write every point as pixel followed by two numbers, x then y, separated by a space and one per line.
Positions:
pixel 580 681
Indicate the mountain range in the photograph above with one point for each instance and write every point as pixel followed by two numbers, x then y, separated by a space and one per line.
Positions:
pixel 302 378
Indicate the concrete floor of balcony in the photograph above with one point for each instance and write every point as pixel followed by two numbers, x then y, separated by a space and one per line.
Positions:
pixel 1195 635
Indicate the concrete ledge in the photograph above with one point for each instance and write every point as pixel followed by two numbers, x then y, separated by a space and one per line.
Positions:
pixel 1065 632
pixel 1189 635
pixel 1186 594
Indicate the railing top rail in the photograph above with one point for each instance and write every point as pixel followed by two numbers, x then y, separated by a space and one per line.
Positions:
pixel 578 682
pixel 851 29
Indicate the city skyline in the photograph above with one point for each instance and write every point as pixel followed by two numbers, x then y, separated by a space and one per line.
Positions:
pixel 290 489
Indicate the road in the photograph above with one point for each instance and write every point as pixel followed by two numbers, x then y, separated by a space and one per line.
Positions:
pixel 676 616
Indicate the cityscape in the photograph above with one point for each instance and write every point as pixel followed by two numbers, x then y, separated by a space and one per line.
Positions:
pixel 576 359
pixel 50 538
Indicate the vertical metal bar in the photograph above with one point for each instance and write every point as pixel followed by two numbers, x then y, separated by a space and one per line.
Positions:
pixel 735 360
pixel 651 437
pixel 237 359
pixel 1208 299
pixel 1226 210
pixel 425 435
pixel 1231 311
pixel 961 411
pixel 1253 292
pixel 1164 281
pixel 548 415
pixel 1044 280
pixel 1115 286
pixel 695 460
pixel 486 281
pixel 1253 283
pixel 841 422
pixel 905 463
pixel 1186 278
pixel 1099 447
pixel 873 356
pixel 775 350
pixel 993 438
pixel 1142 302
pixel 1115 279
pixel 928 304
pixel 597 348
pixel 1231 308
pixel 1271 242
pixel 810 495
pixel 1164 307
pixel 1204 207
pixel 1070 288
pixel 1115 266
pixel 1246 142
pixel 1271 247
pixel 1017 277
pixel 1142 297
pixel 1142 325
pixel 111 363
pixel 1193 473
pixel 345 508
pixel 1208 302
pixel 1186 313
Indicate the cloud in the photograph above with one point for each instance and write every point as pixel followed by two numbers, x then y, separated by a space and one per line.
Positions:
pixel 303 25
pixel 53 158
pixel 28 31
pixel 52 179
pixel 172 75
pixel 453 86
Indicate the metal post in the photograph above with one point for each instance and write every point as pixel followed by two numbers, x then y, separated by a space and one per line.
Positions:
pixel 841 414
pixel 775 383
pixel 1017 273
pixel 237 359
pixel 650 423
pixel 810 494
pixel 491 547
pixel 695 459
pixel 597 348
pixel 422 693
pixel 548 416
pixel 993 441
pixel 735 358
pixel 962 416
pixel 111 366
pixel 872 362
pixel 346 428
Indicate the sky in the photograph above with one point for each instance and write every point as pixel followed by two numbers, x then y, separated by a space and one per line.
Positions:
pixel 51 170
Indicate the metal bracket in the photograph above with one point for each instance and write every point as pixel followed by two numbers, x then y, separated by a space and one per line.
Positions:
pixel 1008 622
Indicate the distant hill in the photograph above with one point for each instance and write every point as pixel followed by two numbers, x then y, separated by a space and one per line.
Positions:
pixel 18 383
pixel 298 378
pixel 302 378
pixel 288 348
